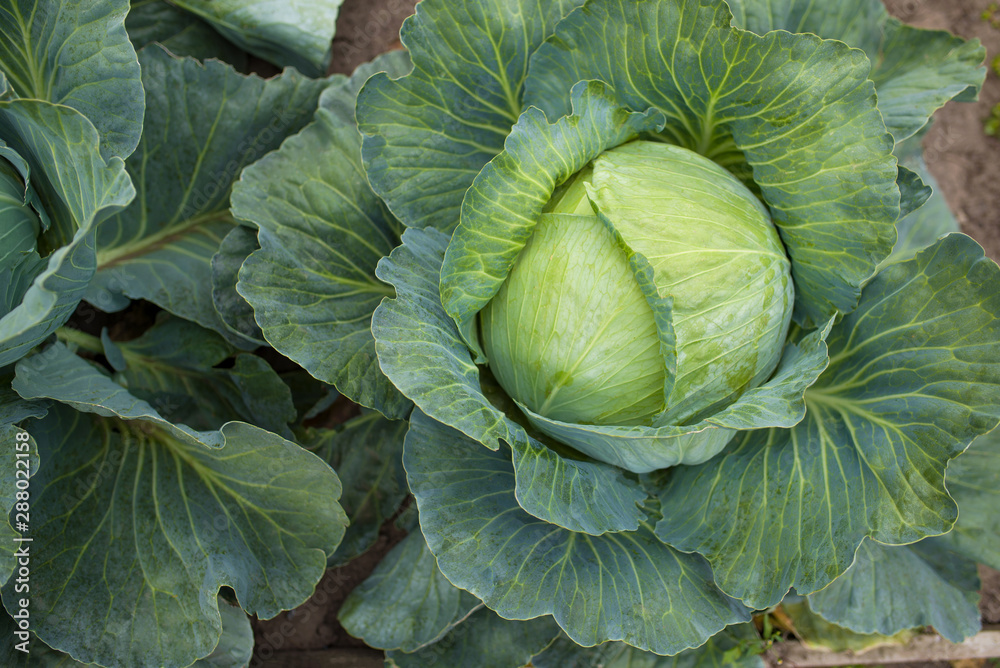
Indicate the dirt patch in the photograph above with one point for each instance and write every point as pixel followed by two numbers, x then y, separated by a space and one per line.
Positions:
pixel 314 625
pixel 366 29
pixel 989 604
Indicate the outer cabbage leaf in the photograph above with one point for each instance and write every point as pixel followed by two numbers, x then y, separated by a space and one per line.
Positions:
pixel 932 220
pixel 144 520
pixel 421 351
pixel 59 151
pixel 294 33
pixel 9 478
pixel 18 187
pixel 406 603
pixel 172 366
pixel 76 54
pixel 310 396
pixel 234 311
pixel 799 110
pixel 621 586
pixel 180 32
pixel 322 230
pixel 974 481
pixel 13 407
pixel 205 123
pixel 817 633
pixel 923 227
pixel 19 223
pixel 428 134
pixel 485 640
pixel 890 589
pixel 914 378
pixel 915 71
pixel 367 454
pixel 733 647
pixel 913 192
pixel 234 650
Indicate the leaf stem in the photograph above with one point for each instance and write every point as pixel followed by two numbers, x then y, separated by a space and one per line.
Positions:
pixel 80 339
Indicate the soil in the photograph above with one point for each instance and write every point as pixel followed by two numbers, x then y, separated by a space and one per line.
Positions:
pixel 989 604
pixel 314 625
pixel 964 160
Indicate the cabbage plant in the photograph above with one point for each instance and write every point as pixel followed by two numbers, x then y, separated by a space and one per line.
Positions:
pixel 666 364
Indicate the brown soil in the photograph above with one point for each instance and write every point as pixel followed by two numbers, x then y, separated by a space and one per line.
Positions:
pixel 365 29
pixel 314 625
pixel 989 604
pixel 964 160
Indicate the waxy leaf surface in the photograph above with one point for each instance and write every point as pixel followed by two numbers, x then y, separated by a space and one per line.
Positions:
pixel 914 377
pixel 145 520
pixel 205 123
pixel 76 54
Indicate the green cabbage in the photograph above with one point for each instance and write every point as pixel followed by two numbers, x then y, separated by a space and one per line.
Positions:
pixel 571 335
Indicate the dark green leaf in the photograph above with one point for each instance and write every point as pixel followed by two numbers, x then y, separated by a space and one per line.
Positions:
pixel 618 586
pixel 322 230
pixel 735 646
pixel 925 225
pixel 21 453
pixel 915 71
pixel 294 33
pixel 76 54
pixel 974 481
pixel 234 311
pixel 204 124
pixel 406 603
pixel 143 521
pixel 582 496
pixel 484 640
pixel 182 33
pixel 234 650
pixel 171 367
pixel 367 454
pixel 59 148
pixel 914 377
pixel 428 134
pixel 890 589
pixel 19 224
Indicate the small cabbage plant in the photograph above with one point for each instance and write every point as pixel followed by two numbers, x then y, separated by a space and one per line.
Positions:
pixel 679 331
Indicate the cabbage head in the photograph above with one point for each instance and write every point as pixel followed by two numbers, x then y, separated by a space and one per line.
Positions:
pixel 571 335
